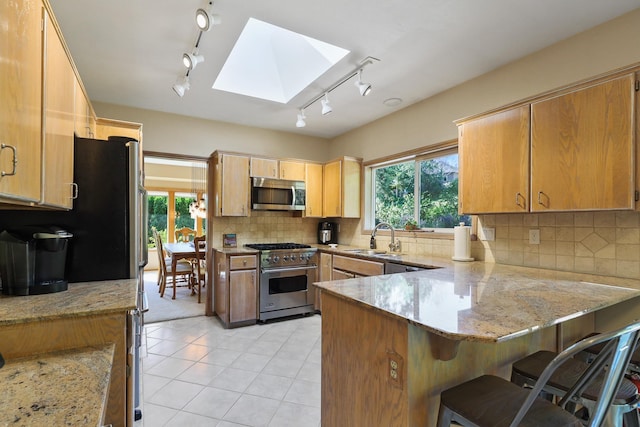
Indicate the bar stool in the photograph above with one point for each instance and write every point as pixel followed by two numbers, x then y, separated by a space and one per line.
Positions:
pixel 494 402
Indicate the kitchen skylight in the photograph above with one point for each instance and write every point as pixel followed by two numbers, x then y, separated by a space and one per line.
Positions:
pixel 275 64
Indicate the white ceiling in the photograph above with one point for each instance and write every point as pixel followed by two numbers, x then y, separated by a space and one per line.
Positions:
pixel 129 52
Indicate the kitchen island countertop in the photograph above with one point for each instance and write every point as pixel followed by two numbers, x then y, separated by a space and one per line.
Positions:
pixel 484 302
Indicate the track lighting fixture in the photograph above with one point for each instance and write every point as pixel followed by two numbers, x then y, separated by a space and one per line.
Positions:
pixel 326 108
pixel 181 86
pixel 364 88
pixel 301 123
pixel 190 60
pixel 205 19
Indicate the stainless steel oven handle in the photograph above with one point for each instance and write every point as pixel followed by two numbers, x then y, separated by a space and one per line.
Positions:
pixel 304 267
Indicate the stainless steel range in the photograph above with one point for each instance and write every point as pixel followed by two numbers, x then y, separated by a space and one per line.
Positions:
pixel 287 271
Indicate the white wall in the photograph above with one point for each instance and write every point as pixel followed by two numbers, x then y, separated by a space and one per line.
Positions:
pixel 607 47
pixel 172 133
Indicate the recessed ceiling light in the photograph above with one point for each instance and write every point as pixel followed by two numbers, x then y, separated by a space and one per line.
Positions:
pixel 275 64
pixel 392 102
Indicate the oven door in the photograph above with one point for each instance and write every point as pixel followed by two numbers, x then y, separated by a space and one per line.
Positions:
pixel 286 288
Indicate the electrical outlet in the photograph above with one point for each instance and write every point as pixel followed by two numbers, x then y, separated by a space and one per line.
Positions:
pixel 534 236
pixel 489 234
pixel 395 366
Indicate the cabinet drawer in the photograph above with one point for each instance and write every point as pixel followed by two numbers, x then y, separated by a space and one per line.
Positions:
pixel 242 262
pixel 358 266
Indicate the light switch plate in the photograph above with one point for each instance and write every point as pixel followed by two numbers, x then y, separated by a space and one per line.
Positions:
pixel 488 234
pixel 534 236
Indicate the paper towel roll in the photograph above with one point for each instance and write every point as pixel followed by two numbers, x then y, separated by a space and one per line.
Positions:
pixel 462 243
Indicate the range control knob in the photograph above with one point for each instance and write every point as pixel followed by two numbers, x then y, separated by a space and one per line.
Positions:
pixel 276 258
pixel 268 260
pixel 293 257
pixel 285 258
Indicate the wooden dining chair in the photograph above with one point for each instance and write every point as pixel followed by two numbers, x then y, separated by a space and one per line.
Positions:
pixel 185 234
pixel 199 266
pixel 494 402
pixel 165 274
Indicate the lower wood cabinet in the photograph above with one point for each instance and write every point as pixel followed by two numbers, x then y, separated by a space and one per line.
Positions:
pixel 235 290
pixel 347 267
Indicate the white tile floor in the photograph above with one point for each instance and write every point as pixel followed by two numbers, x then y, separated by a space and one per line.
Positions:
pixel 196 373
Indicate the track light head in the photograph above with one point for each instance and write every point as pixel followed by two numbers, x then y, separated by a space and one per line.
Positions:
pixel 205 19
pixel 326 108
pixel 181 86
pixel 301 123
pixel 364 88
pixel 191 60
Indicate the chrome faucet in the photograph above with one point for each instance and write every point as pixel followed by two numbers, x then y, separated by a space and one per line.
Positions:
pixel 393 246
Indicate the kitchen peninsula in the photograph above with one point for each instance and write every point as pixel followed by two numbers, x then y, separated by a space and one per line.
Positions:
pixel 391 343
pixel 35 329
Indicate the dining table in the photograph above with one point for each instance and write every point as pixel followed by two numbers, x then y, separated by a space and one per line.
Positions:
pixel 181 250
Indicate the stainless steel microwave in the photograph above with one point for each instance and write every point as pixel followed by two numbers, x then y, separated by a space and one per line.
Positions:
pixel 277 194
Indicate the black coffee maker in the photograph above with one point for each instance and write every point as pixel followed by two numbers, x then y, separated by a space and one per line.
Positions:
pixel 327 232
pixel 32 260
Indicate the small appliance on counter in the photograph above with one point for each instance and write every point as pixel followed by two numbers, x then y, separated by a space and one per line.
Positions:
pixel 327 232
pixel 33 259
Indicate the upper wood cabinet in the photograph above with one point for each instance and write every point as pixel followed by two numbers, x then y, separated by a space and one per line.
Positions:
pixel 263 168
pixel 313 180
pixel 229 184
pixel 59 121
pixel 85 121
pixel 566 151
pixel 21 101
pixel 292 170
pixel 494 162
pixel 582 146
pixel 109 127
pixel 341 189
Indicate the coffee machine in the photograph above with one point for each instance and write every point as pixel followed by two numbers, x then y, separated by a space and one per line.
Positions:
pixel 327 232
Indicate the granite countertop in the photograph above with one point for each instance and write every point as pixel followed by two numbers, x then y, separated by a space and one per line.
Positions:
pixel 80 299
pixel 236 251
pixel 477 301
pixel 68 388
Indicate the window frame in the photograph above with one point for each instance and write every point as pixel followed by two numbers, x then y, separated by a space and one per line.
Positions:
pixel 416 155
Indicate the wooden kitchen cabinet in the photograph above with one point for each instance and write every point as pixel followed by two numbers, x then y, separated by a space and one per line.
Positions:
pixel 313 181
pixel 235 288
pixel 582 146
pixel 324 274
pixel 356 267
pixel 21 101
pixel 230 184
pixel 263 168
pixel 109 127
pixel 579 143
pixel 292 170
pixel 85 121
pixel 59 121
pixel 341 189
pixel 493 155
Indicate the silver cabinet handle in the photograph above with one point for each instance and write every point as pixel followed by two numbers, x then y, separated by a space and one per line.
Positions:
pixel 14 161
pixel 540 194
pixel 518 196
pixel 74 191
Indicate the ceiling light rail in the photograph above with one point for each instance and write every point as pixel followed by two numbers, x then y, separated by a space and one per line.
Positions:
pixel 363 88
pixel 205 19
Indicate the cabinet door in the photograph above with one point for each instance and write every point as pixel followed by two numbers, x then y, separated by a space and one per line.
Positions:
pixel 82 124
pixel 582 149
pixel 332 189
pixel 341 275
pixel 313 181
pixel 235 185
pixel 351 170
pixel 291 170
pixel 243 296
pixel 59 122
pixel 265 168
pixel 21 99
pixel 494 163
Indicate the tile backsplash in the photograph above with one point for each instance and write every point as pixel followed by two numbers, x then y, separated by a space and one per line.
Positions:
pixel 606 243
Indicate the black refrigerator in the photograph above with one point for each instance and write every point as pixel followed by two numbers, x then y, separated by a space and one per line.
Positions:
pixel 108 222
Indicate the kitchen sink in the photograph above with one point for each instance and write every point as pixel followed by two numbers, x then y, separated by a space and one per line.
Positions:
pixel 365 251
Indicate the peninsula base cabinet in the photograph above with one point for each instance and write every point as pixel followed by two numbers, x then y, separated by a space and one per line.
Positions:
pixel 235 289
pixel 380 370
